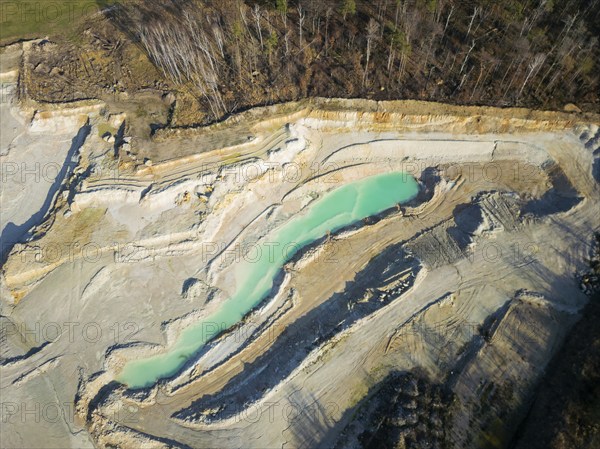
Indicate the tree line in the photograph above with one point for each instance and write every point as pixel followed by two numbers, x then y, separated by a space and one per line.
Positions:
pixel 233 54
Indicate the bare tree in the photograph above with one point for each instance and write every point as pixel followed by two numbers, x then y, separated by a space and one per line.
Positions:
pixel 257 15
pixel 462 67
pixel 301 17
pixel 439 8
pixel 372 33
pixel 282 8
pixel 534 66
pixel 448 20
pixel 219 38
pixel 531 21
pixel 562 48
pixel 328 14
pixel 475 12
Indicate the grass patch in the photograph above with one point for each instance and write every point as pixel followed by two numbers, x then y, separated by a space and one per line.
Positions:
pixel 28 19
pixel 141 112
pixel 104 128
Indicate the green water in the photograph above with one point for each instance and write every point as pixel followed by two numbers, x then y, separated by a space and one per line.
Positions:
pixel 254 275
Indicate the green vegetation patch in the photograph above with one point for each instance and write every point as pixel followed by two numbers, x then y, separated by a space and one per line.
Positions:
pixel 22 19
pixel 104 128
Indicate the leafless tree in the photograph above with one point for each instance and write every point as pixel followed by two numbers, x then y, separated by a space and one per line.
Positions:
pixel 448 20
pixel 328 14
pixel 372 33
pixel 534 66
pixel 257 16
pixel 563 48
pixel 301 18
pixel 475 12
pixel 462 67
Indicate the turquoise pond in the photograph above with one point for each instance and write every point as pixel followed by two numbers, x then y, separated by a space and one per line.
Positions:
pixel 337 209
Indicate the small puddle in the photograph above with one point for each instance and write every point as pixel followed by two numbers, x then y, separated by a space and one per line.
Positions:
pixel 254 280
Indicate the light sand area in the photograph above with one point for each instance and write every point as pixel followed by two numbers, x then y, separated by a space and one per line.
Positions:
pixel 36 154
